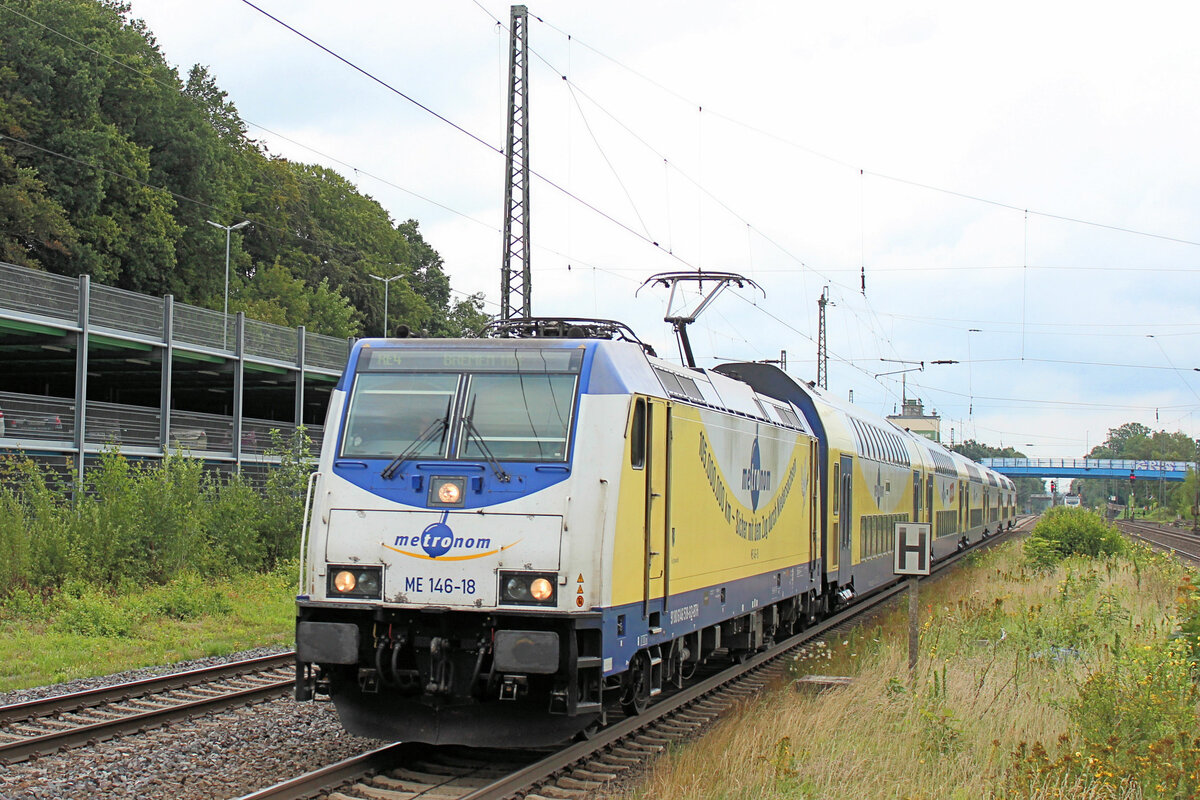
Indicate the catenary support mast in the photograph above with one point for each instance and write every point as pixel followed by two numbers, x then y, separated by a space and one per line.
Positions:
pixel 514 279
pixel 822 350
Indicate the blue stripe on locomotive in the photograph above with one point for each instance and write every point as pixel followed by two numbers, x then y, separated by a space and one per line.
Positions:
pixel 688 612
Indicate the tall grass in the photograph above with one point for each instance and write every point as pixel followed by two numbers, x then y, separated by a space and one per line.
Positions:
pixel 145 523
pixel 1032 682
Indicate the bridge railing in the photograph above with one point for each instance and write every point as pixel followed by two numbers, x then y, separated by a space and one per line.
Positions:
pixel 1118 464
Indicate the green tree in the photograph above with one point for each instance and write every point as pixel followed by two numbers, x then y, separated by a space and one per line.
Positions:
pixel 110 165
pixel 34 224
pixel 274 295
pixel 1135 442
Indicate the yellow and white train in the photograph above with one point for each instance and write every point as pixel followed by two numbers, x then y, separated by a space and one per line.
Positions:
pixel 510 539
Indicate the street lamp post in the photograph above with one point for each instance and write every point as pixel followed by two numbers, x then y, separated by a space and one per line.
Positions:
pixel 225 322
pixel 386 283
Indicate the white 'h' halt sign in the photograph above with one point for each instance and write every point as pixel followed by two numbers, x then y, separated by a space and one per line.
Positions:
pixel 914 548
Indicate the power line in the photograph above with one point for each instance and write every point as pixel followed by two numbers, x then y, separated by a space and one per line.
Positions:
pixel 500 151
pixel 873 173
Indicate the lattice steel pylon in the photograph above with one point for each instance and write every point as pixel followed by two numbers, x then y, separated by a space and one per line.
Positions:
pixel 514 270
pixel 822 348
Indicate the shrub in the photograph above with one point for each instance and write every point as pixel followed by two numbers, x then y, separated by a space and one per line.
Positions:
pixel 1064 532
pixel 138 524
pixel 283 497
pixel 93 613
pixel 186 597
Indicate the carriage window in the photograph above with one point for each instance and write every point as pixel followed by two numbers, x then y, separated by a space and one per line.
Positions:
pixel 391 413
pixel 637 435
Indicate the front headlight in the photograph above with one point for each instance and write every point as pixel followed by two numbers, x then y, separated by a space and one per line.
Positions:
pixel 360 583
pixel 529 588
pixel 447 492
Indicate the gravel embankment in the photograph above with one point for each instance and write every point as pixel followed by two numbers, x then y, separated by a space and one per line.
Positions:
pixel 218 756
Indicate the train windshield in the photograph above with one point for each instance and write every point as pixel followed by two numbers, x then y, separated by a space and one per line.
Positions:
pixel 458 403
pixel 521 417
pixel 398 412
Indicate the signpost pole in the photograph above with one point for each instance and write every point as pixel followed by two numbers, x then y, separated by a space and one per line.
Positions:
pixel 912 556
pixel 913 628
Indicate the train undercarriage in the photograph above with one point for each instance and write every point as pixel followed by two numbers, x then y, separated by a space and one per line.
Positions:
pixel 492 679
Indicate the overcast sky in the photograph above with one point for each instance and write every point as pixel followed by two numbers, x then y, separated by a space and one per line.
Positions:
pixel 1019 182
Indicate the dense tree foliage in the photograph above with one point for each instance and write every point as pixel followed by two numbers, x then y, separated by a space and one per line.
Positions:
pixel 1136 442
pixel 111 163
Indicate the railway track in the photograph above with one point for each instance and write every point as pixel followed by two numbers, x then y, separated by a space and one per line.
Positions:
pixel 1184 544
pixel 39 727
pixel 576 770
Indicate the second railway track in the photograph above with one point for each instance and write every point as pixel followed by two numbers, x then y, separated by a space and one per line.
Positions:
pixel 38 727
pixel 1182 543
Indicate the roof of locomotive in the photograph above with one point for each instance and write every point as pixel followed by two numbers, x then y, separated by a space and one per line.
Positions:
pixel 623 367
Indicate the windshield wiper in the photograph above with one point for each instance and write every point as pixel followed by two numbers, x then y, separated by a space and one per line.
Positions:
pixel 473 433
pixel 435 428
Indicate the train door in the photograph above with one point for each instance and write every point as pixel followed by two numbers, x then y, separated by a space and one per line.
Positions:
pixel 847 527
pixel 814 513
pixel 929 501
pixel 833 535
pixel 962 506
pixel 656 520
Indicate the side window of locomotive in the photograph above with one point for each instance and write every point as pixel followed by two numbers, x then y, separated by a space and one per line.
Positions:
pixel 523 416
pixel 637 435
pixel 390 412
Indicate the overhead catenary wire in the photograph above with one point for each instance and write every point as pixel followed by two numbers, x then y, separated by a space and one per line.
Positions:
pixel 474 137
pixel 859 168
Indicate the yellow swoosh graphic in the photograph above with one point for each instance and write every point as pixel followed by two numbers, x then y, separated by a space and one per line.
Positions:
pixel 451 558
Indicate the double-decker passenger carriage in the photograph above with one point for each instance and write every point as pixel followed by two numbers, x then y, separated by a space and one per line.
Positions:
pixel 510 537
pixel 874 475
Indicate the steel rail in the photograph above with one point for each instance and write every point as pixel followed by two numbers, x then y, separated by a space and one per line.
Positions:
pixel 75 701
pixel 1131 528
pixel 89 732
pixel 312 783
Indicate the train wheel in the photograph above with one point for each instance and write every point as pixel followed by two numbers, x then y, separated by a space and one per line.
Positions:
pixel 636 696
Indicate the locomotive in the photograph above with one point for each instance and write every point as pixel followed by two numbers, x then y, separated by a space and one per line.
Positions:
pixel 509 539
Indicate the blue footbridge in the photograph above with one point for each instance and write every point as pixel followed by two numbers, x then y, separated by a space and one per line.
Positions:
pixel 1090 468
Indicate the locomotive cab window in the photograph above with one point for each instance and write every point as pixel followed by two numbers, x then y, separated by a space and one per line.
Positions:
pixel 637 435
pixel 518 417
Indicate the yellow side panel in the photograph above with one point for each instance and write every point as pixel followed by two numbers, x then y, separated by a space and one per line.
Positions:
pixel 739 505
